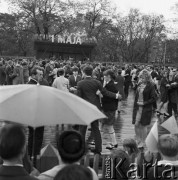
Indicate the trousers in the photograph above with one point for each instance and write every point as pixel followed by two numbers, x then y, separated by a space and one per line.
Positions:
pixel 38 140
pixel 95 132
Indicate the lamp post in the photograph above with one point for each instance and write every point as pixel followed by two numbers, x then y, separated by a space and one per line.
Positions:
pixel 165 48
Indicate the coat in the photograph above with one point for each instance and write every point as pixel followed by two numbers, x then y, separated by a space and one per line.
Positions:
pixel 108 103
pixel 2 75
pixel 149 97
pixel 120 85
pixel 25 74
pixel 14 173
pixel 173 90
pixel 72 82
pixel 18 75
pixel 88 88
pixel 9 74
pixel 164 90
pixel 32 81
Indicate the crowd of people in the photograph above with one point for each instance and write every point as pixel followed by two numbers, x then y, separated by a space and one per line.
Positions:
pixel 105 85
pixel 128 161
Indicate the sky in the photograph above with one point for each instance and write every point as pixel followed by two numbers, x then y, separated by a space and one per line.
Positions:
pixel 145 6
pixel 164 7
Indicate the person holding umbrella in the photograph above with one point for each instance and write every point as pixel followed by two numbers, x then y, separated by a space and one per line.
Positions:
pixel 36 76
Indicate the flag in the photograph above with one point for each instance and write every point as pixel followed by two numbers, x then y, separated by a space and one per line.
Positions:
pixel 171 125
pixel 152 138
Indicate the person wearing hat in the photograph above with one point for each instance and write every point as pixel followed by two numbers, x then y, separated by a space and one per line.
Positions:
pixel 71 148
pixel 74 79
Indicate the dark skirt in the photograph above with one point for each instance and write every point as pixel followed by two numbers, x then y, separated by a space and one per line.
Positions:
pixel 111 118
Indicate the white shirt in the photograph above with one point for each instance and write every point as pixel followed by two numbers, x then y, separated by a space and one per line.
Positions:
pixel 123 73
pixel 61 83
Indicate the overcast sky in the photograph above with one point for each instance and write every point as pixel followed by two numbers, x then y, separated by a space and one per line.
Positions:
pixel 145 6
pixel 164 7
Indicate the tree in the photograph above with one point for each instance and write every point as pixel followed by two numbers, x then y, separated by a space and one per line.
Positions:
pixel 7 34
pixel 136 34
pixel 45 15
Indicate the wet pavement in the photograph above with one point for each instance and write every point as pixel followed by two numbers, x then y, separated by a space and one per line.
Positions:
pixel 123 126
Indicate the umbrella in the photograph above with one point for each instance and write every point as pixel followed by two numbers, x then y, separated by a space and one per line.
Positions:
pixel 36 105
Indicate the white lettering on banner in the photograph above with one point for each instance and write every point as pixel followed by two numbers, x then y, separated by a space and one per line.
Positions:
pixel 69 39
pixel 66 39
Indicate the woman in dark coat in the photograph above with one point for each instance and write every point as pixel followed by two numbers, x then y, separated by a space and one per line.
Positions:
pixel 143 106
pixel 109 107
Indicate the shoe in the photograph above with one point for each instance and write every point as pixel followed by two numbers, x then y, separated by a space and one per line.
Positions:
pixel 91 143
pixel 118 111
pixel 112 146
pixel 159 113
pixel 95 151
pixel 166 115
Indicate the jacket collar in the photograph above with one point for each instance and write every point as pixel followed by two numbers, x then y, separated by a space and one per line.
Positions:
pixel 13 171
pixel 34 80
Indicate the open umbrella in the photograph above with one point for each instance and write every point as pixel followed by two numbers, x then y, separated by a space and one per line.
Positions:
pixel 36 105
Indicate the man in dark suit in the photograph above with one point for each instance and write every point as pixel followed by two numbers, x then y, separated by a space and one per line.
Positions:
pixel 36 76
pixel 88 90
pixel 74 79
pixel 2 74
pixel 12 151
pixel 127 81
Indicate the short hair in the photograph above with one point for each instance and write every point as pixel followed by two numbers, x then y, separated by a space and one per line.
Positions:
pixel 75 68
pixel 61 72
pixel 130 143
pixel 34 70
pixel 146 74
pixel 74 172
pixel 71 146
pixel 12 141
pixel 88 70
pixel 168 145
pixel 117 155
pixel 110 73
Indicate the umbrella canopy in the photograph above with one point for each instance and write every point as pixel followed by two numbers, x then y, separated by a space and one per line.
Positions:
pixel 36 105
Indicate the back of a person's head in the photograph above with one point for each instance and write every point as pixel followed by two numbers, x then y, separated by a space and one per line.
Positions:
pixel 110 73
pixel 74 172
pixel 119 155
pixel 61 72
pixel 75 69
pixel 71 146
pixel 12 141
pixel 34 70
pixel 168 145
pixel 88 70
pixel 131 145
